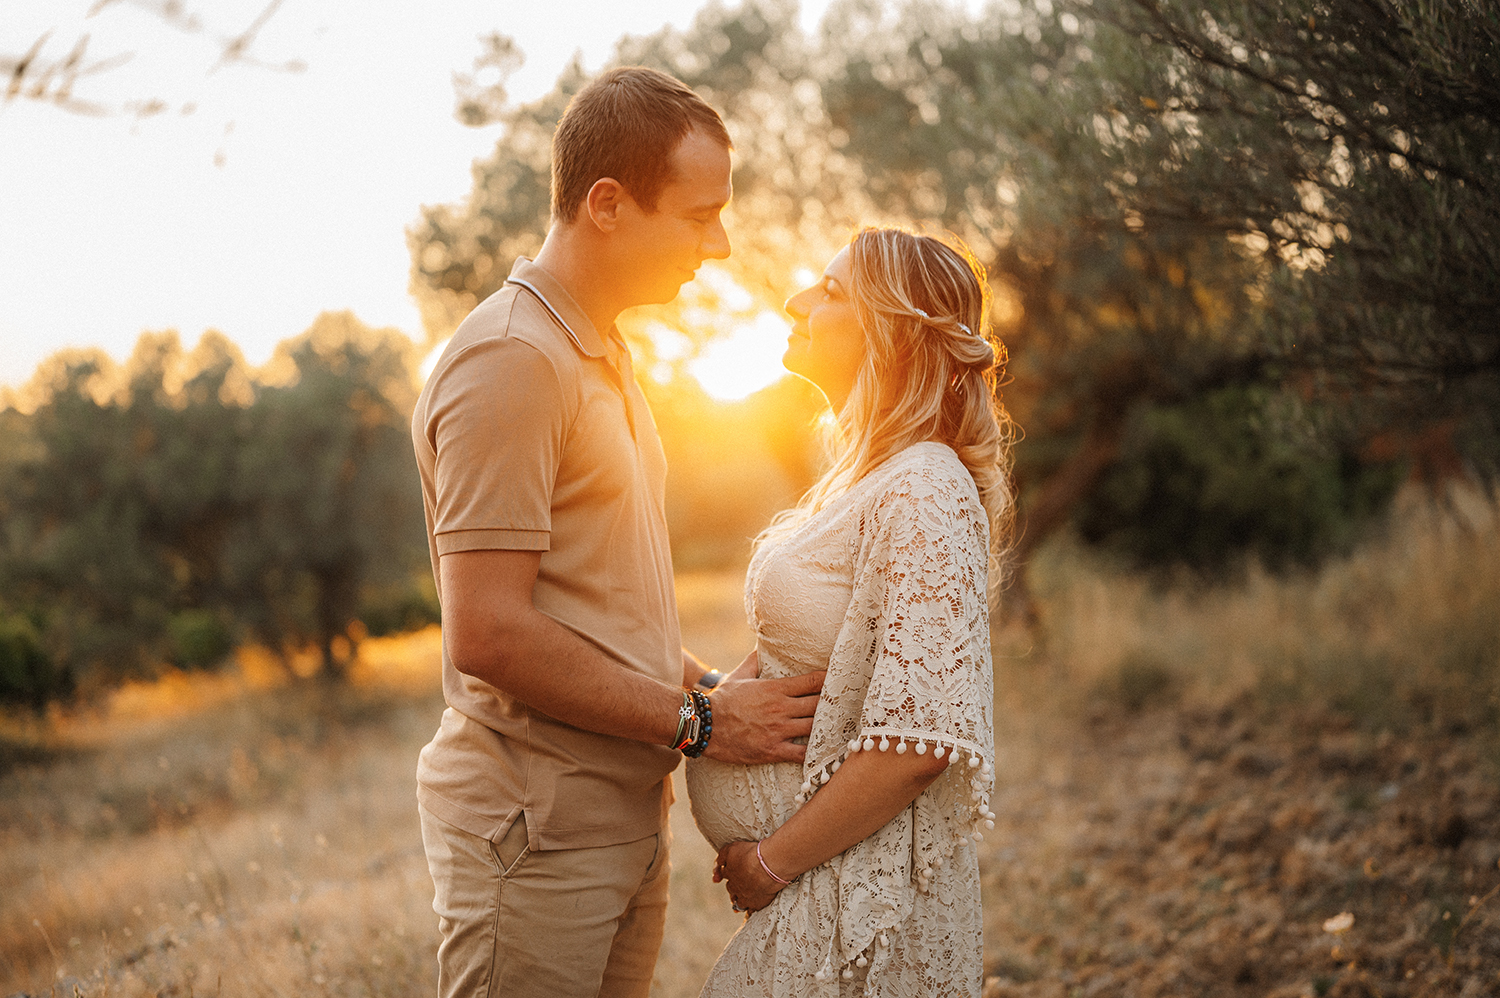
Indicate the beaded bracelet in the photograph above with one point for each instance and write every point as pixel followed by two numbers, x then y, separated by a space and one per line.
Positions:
pixel 704 727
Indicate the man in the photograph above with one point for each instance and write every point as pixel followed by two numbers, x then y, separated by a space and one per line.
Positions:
pixel 544 793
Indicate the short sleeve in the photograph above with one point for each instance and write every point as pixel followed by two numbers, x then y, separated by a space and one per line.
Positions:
pixel 496 421
pixel 927 559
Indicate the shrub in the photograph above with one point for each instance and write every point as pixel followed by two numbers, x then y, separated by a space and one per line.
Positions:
pixel 1202 482
pixel 396 609
pixel 199 638
pixel 27 675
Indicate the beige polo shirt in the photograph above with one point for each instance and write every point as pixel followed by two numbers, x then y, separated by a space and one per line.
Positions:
pixel 532 435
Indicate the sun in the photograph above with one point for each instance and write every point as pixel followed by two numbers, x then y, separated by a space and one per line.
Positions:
pixel 740 364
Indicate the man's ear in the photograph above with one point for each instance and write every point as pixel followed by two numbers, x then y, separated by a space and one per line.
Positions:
pixel 603 203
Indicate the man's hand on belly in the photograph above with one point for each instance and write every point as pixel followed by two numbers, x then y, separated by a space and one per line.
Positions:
pixel 756 719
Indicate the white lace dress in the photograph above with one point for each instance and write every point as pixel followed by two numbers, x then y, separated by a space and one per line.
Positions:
pixel 885 587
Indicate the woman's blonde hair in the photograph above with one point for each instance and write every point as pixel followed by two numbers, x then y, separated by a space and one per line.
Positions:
pixel 929 373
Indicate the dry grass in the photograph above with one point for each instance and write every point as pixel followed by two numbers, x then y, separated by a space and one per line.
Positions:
pixel 1191 783
pixel 1403 633
pixel 262 840
pixel 1194 781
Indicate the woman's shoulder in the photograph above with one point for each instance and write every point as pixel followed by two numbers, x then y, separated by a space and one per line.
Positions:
pixel 924 486
pixel 928 468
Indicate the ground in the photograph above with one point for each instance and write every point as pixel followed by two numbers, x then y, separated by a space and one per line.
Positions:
pixel 240 835
pixel 1189 852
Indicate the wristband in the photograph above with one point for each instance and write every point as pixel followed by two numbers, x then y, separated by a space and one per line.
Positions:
pixel 687 723
pixel 763 866
pixel 702 725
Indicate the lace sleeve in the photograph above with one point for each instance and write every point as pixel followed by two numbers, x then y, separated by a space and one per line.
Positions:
pixel 911 668
pixel 927 557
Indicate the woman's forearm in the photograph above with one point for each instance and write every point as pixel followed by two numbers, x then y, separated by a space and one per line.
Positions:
pixel 868 790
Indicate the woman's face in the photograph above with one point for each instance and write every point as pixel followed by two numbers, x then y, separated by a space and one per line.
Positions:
pixel 826 346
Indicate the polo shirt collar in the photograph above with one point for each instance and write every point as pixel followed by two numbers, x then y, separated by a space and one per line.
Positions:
pixel 555 299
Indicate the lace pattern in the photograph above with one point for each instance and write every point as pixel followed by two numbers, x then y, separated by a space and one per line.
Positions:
pixel 886 587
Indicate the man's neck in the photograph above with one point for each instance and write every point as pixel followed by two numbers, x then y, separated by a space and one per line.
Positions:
pixel 578 269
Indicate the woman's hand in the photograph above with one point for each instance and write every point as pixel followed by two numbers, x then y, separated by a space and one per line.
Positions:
pixel 869 789
pixel 749 887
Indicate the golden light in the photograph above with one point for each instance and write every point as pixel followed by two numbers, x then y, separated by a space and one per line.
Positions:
pixel 729 366
pixel 748 359
pixel 429 362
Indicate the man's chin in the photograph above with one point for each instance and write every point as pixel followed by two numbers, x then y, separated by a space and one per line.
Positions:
pixel 665 291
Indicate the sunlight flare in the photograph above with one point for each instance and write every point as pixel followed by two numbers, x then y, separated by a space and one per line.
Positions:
pixel 745 361
pixel 429 362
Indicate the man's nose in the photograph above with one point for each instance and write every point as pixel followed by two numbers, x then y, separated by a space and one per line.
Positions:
pixel 716 242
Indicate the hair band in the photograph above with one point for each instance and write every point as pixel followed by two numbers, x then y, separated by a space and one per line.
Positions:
pixel 923 314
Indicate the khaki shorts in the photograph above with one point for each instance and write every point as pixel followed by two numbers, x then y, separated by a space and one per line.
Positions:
pixel 566 923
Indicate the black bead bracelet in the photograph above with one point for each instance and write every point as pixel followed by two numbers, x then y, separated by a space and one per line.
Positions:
pixel 705 713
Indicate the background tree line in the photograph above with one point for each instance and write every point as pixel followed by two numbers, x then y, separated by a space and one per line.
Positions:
pixel 164 511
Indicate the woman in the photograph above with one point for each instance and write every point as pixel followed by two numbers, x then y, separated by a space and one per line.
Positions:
pixel 859 866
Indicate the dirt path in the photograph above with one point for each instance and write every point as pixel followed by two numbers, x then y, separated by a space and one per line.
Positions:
pixel 1209 853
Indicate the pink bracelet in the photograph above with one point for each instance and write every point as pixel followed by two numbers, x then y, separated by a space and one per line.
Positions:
pixel 763 866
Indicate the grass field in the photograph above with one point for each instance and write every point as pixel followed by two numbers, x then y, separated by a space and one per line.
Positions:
pixel 1194 784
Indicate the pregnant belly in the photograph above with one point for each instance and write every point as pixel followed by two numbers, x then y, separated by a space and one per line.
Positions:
pixel 733 803
pixel 741 803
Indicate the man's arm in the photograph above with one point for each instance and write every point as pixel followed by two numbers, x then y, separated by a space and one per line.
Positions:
pixel 495 633
pixel 693 668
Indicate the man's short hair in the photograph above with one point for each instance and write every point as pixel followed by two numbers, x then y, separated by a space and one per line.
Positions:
pixel 625 125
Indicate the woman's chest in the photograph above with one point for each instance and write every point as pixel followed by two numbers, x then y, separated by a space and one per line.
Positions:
pixel 798 592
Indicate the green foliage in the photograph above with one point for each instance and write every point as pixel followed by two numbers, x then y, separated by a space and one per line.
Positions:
pixel 199 638
pixel 27 675
pixel 158 514
pixel 332 500
pixel 406 605
pixel 1353 149
pixel 1205 481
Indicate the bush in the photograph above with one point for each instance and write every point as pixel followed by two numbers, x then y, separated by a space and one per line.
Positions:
pixel 1201 482
pixel 397 609
pixel 199 638
pixel 27 675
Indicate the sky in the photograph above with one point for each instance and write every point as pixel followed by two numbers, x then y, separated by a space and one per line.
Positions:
pixel 260 196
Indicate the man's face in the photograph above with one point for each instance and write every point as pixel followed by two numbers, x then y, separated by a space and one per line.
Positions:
pixel 662 250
